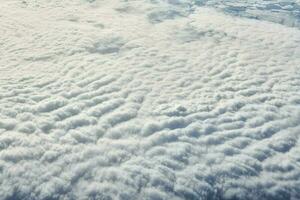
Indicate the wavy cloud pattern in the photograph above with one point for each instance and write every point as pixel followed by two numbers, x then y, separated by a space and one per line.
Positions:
pixel 149 100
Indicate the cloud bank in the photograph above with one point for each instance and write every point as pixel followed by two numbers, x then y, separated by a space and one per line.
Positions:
pixel 149 100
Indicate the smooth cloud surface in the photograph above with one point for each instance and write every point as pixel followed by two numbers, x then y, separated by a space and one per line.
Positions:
pixel 149 100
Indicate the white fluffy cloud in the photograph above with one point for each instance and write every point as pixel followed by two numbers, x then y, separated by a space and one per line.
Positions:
pixel 149 100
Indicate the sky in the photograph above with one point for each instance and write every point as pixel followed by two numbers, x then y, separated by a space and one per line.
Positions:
pixel 150 99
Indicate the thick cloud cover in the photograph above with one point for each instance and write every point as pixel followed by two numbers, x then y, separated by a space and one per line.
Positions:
pixel 149 99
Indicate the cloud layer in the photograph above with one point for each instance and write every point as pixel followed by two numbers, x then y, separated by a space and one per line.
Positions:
pixel 147 100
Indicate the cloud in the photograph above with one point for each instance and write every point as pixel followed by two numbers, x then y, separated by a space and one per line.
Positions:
pixel 149 100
